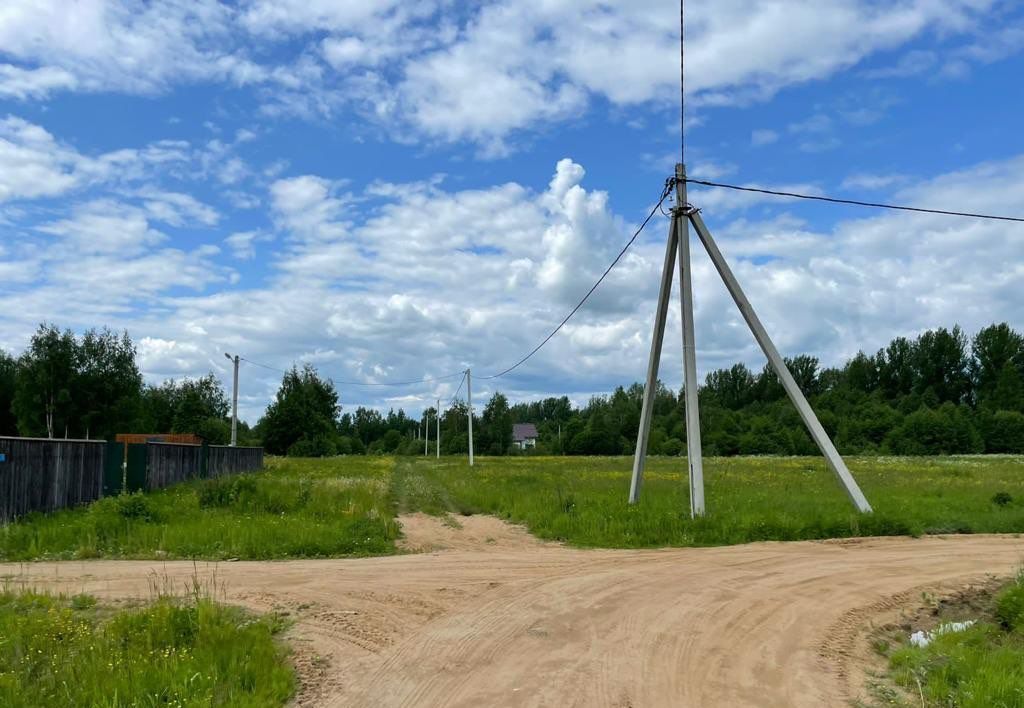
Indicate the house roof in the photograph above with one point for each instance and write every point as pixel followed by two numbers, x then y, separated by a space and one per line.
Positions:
pixel 524 431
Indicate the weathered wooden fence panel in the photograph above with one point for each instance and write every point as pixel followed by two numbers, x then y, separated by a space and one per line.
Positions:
pixel 47 475
pixel 170 463
pixel 39 474
pixel 232 460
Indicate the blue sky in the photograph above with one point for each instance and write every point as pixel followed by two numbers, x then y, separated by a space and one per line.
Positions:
pixel 391 190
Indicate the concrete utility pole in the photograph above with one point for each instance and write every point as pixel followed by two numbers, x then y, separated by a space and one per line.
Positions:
pixel 426 433
pixel 693 448
pixel 234 401
pixel 678 242
pixel 438 429
pixel 469 406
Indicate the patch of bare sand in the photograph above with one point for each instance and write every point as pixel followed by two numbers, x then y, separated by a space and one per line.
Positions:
pixel 769 624
pixel 423 533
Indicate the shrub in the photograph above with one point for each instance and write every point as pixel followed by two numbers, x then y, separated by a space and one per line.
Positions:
pixel 1005 432
pixel 673 447
pixel 344 445
pixel 1010 606
pixel 223 492
pixel 82 602
pixel 1002 498
pixel 317 447
pixel 764 438
pixel 392 439
pixel 945 431
pixel 134 506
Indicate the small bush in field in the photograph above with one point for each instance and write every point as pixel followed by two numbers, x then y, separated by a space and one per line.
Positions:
pixel 222 492
pixel 134 506
pixel 1010 606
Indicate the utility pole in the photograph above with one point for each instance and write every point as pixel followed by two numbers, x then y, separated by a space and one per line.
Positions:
pixel 426 432
pixel 438 429
pixel 684 216
pixel 469 405
pixel 234 401
pixel 693 444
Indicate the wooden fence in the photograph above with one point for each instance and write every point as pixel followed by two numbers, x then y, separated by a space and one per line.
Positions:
pixel 46 475
pixel 170 463
pixel 232 460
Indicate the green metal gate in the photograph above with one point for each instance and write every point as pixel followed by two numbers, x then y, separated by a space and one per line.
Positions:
pixel 204 460
pixel 135 473
pixel 113 469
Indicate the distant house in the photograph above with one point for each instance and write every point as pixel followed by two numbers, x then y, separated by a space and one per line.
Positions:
pixel 524 436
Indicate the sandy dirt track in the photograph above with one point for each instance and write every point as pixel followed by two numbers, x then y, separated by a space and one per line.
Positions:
pixel 500 619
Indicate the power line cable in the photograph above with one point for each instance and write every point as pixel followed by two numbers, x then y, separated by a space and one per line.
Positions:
pixel 263 366
pixel 457 391
pixel 669 184
pixel 854 202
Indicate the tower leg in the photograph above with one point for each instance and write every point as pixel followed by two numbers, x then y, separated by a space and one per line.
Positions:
pixel 693 448
pixel 814 426
pixel 469 408
pixel 651 387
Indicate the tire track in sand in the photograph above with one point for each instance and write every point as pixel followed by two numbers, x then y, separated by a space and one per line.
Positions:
pixel 768 624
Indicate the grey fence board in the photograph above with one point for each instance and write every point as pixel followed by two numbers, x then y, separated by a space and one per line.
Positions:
pixel 232 460
pixel 46 475
pixel 170 463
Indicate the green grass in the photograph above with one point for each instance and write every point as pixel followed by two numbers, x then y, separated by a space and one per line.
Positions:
pixel 59 651
pixel 345 506
pixel 297 508
pixel 583 500
pixel 980 667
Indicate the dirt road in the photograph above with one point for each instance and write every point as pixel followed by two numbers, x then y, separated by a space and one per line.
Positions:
pixel 499 619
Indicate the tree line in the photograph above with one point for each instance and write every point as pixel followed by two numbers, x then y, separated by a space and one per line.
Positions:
pixel 939 393
pixel 90 386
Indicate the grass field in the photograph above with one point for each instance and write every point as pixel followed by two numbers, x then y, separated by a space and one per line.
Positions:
pixel 296 509
pixel 346 506
pixel 582 500
pixel 72 651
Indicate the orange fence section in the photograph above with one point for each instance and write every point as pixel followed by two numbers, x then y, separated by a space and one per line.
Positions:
pixel 178 438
